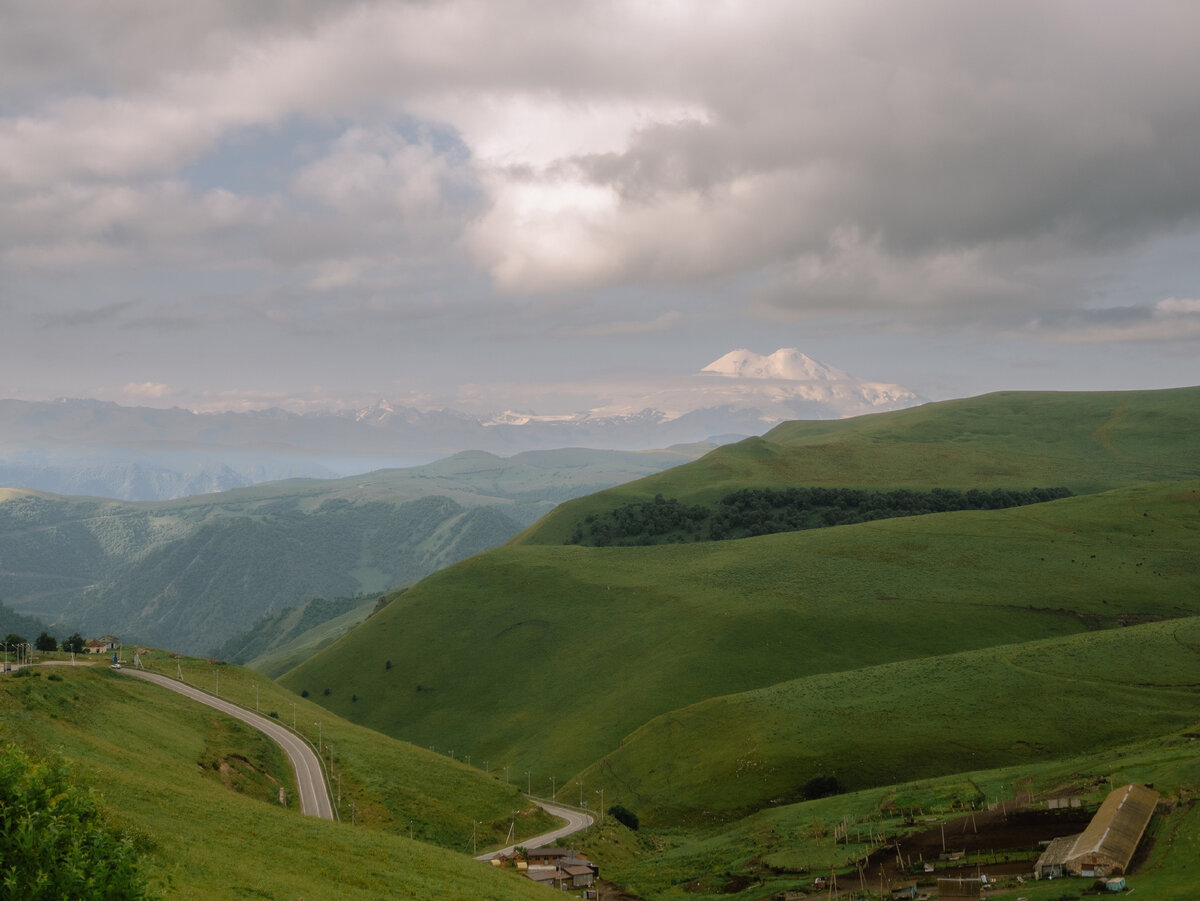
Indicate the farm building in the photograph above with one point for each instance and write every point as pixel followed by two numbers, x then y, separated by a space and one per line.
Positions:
pixel 1107 845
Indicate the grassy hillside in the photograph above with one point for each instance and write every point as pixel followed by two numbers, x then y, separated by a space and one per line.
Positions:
pixel 282 640
pixel 1085 441
pixel 200 793
pixel 781 849
pixel 1003 706
pixel 547 657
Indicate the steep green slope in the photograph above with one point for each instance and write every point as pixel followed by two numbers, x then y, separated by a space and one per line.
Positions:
pixel 199 793
pixel 1002 706
pixel 1085 441
pixel 295 633
pixel 546 657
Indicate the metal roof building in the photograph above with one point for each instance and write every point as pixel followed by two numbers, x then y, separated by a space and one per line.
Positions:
pixel 1110 840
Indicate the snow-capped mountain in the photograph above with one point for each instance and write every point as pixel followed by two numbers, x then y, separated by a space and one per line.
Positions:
pixel 58 445
pixel 786 363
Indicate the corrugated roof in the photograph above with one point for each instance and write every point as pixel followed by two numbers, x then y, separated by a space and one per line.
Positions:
pixel 1115 830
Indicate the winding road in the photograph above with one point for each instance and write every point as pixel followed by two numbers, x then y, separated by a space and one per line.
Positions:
pixel 577 821
pixel 314 794
pixel 310 781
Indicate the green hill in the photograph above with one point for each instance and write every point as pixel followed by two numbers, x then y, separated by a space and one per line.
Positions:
pixel 200 793
pixel 1012 705
pixel 550 656
pixel 279 641
pixel 1084 441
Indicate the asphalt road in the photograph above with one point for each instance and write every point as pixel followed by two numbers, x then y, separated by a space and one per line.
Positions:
pixel 577 821
pixel 314 794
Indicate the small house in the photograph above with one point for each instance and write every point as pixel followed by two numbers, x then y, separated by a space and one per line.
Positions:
pixel 547 857
pixel 904 890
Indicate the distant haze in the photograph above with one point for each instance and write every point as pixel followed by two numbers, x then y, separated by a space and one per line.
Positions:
pixel 142 453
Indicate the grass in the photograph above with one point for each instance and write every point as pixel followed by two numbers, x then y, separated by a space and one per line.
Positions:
pixel 573 649
pixel 782 849
pixel 914 719
pixel 294 651
pixel 147 753
pixel 1085 441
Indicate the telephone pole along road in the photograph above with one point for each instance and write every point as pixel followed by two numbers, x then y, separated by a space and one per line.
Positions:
pixel 314 794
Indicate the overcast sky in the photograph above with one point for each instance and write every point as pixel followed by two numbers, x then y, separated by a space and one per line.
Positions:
pixel 229 204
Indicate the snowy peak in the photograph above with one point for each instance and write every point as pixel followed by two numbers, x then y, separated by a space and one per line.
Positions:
pixel 786 363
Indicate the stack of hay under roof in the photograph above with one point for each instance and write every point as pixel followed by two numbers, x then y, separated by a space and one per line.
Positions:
pixel 1108 843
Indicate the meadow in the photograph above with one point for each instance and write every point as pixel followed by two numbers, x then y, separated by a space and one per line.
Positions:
pixel 573 649
pixel 162 767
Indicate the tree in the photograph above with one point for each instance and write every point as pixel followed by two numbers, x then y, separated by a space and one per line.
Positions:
pixel 12 641
pixel 46 642
pixel 74 644
pixel 54 840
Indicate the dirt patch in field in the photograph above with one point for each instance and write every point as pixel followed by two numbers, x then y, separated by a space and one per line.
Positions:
pixel 1011 840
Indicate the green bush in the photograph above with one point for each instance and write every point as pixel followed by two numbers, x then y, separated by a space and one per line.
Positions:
pixel 54 841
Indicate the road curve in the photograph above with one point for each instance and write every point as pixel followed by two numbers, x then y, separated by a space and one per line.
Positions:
pixel 577 821
pixel 314 794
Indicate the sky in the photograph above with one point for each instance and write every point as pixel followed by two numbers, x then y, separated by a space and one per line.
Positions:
pixel 229 205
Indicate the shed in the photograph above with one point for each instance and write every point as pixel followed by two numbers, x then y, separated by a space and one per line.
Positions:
pixel 907 890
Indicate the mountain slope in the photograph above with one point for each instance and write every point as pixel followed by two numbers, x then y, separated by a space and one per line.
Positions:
pixel 1084 441
pixel 1002 706
pixel 191 573
pixel 200 794
pixel 571 649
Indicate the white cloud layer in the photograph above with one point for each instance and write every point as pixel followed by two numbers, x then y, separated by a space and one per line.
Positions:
pixel 309 167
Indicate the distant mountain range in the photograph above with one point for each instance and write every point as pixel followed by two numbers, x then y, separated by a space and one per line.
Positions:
pixel 190 573
pixel 103 449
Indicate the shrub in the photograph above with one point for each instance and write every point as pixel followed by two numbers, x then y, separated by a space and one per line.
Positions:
pixel 54 841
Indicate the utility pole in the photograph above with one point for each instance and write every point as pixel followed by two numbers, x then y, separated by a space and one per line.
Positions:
pixel 600 812
pixel 528 783
pixel 293 716
pixel 256 697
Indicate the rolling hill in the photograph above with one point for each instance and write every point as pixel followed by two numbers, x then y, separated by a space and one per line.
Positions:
pixel 198 794
pixel 553 656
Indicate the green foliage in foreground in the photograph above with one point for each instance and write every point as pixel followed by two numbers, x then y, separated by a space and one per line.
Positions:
pixel 573 649
pixel 913 719
pixel 54 840
pixel 144 749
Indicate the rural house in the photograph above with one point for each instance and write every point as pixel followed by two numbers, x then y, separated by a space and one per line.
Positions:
pixel 101 645
pixel 1107 845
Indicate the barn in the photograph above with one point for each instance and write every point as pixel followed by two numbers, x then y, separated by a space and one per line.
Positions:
pixel 1107 845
